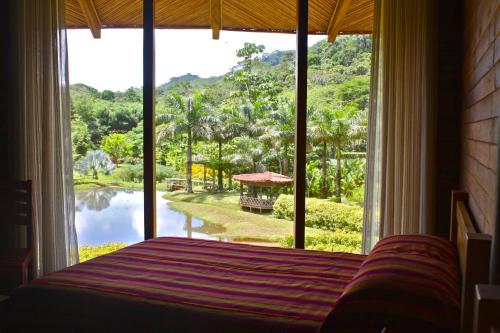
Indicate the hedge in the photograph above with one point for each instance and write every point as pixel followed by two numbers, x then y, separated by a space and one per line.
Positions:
pixel 329 241
pixel 135 173
pixel 322 214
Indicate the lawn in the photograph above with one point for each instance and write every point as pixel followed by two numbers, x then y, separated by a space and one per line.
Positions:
pixel 241 226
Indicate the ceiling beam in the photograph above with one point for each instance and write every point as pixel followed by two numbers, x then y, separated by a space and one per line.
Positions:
pixel 91 16
pixel 215 17
pixel 341 8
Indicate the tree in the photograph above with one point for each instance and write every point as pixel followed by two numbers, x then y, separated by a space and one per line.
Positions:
pixel 280 130
pixel 221 127
pixel 186 116
pixel 116 145
pixel 80 136
pixel 94 160
pixel 108 95
pixel 330 126
pixel 250 153
pixel 249 52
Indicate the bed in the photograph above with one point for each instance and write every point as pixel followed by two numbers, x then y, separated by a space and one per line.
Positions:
pixel 170 284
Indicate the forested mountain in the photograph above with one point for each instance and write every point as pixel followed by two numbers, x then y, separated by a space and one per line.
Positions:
pixel 243 120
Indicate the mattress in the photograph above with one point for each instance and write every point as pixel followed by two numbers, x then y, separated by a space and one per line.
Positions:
pixel 184 285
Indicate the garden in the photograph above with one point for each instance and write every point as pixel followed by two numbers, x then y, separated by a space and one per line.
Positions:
pixel 210 129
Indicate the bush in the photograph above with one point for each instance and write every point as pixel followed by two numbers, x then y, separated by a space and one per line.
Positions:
pixel 135 173
pixel 163 172
pixel 329 241
pixel 88 252
pixel 130 173
pixel 358 195
pixel 322 214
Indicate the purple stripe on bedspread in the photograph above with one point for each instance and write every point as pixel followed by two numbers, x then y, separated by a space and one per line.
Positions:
pixel 261 281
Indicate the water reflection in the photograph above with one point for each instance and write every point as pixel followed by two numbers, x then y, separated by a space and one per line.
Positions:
pixel 107 215
pixel 94 199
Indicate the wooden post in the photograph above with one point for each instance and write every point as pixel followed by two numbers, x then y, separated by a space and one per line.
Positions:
pixel 495 244
pixel 149 120
pixel 300 124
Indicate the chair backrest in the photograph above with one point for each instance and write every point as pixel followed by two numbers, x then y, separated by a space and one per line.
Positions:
pixel 16 206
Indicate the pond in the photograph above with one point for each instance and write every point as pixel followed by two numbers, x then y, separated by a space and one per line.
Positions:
pixel 106 215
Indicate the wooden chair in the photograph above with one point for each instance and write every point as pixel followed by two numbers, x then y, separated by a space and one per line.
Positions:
pixel 16 263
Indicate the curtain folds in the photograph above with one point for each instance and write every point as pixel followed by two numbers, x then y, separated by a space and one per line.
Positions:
pixel 400 159
pixel 41 129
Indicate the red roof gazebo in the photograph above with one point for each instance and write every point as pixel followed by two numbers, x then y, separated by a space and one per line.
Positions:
pixel 264 180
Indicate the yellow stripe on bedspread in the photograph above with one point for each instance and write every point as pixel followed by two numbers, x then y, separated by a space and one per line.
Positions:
pixel 261 281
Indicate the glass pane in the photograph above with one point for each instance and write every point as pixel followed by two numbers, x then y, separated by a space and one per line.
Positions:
pixel 225 130
pixel 339 76
pixel 106 103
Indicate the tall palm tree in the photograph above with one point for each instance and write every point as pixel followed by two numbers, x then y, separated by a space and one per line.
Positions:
pixel 250 153
pixel 186 116
pixel 331 127
pixel 279 131
pixel 222 126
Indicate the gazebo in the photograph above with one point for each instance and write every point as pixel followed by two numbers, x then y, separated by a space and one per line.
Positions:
pixel 259 185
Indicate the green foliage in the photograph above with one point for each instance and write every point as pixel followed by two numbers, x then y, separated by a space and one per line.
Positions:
pixel 108 95
pixel 338 241
pixel 88 252
pixel 135 173
pixel 358 195
pixel 95 161
pixel 80 137
pixel 133 95
pixel 356 90
pixel 322 214
pixel 244 120
pixel 116 145
pixel 353 176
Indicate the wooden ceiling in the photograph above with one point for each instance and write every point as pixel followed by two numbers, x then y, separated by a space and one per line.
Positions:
pixel 328 17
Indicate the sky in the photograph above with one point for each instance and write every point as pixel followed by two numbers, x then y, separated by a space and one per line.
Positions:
pixel 114 62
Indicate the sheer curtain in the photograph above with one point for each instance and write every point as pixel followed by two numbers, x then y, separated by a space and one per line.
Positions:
pixel 41 128
pixel 401 135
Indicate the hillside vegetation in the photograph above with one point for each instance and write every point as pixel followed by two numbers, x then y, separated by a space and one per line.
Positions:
pixel 243 121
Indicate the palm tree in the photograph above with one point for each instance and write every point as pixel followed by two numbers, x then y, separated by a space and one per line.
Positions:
pixel 185 116
pixel 331 126
pixel 222 126
pixel 95 160
pixel 250 153
pixel 279 131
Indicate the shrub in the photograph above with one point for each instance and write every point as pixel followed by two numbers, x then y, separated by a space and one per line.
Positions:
pixel 163 172
pixel 329 241
pixel 322 214
pixel 88 252
pixel 135 173
pixel 130 173
pixel 358 195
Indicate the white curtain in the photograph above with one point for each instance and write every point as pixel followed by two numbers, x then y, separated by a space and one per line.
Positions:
pixel 41 128
pixel 400 174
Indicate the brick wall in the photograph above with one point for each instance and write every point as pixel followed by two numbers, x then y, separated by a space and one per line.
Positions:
pixel 481 108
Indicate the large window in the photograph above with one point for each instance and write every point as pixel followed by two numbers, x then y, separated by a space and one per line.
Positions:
pixel 224 135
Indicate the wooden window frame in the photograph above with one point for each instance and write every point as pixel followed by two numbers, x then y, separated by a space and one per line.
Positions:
pixel 149 148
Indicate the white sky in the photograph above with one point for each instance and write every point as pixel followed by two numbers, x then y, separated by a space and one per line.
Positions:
pixel 114 62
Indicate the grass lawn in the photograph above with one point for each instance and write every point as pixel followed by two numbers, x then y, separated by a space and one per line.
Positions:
pixel 241 226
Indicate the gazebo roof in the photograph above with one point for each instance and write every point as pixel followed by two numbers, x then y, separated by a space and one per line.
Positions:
pixel 328 17
pixel 264 179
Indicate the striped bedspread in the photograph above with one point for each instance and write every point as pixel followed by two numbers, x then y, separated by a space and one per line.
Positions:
pixel 287 285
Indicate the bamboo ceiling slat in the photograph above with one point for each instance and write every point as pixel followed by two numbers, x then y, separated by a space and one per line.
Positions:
pixel 252 15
